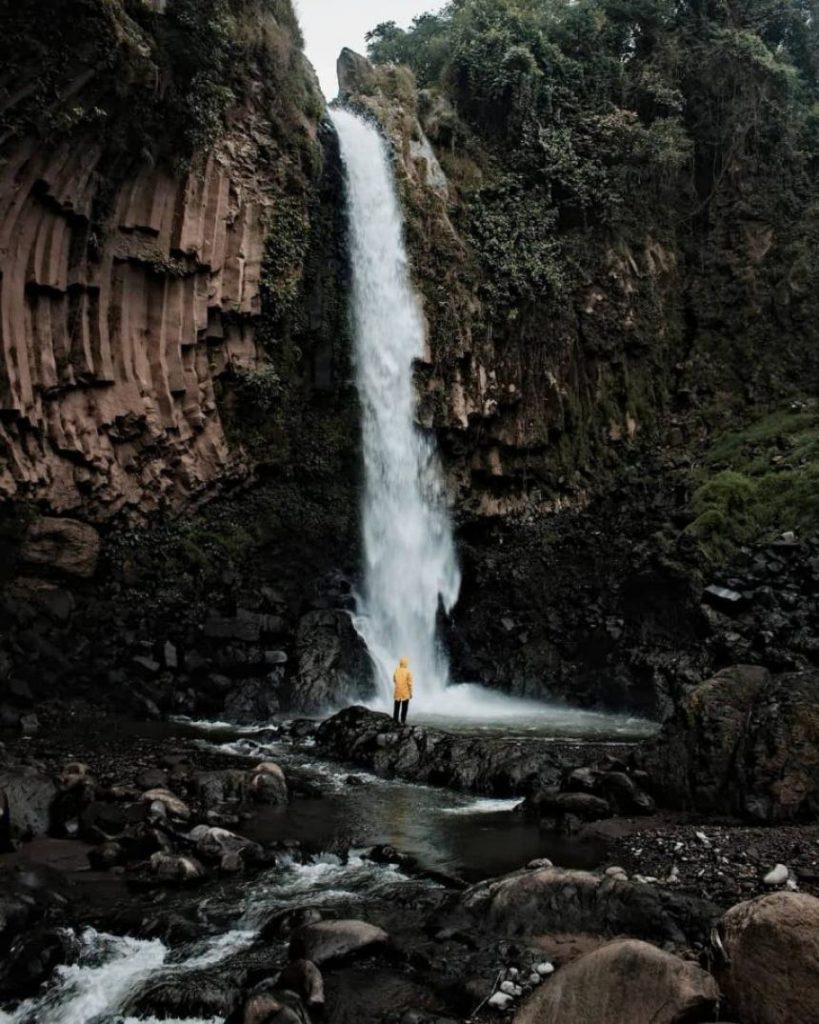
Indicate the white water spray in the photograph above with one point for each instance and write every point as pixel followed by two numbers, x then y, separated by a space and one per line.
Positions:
pixel 409 553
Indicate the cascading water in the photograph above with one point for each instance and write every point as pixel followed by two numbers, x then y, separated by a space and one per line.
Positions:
pixel 409 553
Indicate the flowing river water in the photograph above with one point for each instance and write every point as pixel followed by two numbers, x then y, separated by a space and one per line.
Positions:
pixel 445 833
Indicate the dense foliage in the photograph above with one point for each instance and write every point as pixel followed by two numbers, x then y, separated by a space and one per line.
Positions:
pixel 619 113
pixel 148 82
pixel 638 180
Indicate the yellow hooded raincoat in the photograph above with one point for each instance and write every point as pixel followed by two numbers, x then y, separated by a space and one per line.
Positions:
pixel 402 677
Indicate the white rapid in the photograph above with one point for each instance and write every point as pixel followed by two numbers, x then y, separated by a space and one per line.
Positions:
pixel 409 554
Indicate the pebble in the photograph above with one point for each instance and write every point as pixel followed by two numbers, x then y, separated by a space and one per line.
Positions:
pixel 534 978
pixel 545 969
pixel 703 838
pixel 500 1001
pixel 777 875
pixel 510 988
pixel 617 872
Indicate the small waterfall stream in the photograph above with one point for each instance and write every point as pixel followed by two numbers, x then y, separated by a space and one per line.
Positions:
pixel 410 565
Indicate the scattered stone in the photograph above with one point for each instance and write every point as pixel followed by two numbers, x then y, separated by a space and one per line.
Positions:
pixel 499 1001
pixel 329 940
pixel 776 876
pixel 172 804
pixel 723 598
pixel 171 867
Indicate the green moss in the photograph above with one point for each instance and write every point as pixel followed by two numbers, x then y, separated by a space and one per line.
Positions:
pixel 772 484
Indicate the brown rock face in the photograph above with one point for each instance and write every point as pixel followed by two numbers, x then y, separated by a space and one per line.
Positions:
pixel 107 364
pixel 62 544
pixel 772 944
pixel 623 981
pixel 744 742
pixel 130 273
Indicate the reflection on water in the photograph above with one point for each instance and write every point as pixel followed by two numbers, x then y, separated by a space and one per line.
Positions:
pixel 444 831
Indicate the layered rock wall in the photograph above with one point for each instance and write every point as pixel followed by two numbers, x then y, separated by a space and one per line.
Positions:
pixel 130 281
pixel 110 345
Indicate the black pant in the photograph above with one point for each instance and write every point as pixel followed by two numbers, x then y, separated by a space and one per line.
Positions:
pixel 401 707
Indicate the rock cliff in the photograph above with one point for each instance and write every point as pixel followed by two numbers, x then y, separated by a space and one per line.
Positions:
pixel 131 281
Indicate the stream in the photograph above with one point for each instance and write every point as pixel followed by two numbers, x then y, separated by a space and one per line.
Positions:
pixel 445 833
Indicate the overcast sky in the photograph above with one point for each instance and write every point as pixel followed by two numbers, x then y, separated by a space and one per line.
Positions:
pixel 330 25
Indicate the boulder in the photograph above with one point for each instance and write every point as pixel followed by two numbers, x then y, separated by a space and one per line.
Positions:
pixel 255 700
pixel 32 958
pixel 64 545
pixel 551 803
pixel 329 940
pixel 333 666
pixel 173 868
pixel 284 922
pixel 26 799
pixel 267 1005
pixel 625 796
pixel 267 784
pixel 304 978
pixel 173 805
pixel 355 74
pixel 548 899
pixel 745 743
pixel 623 981
pixel 217 787
pixel 772 948
pixel 495 765
pixel 216 843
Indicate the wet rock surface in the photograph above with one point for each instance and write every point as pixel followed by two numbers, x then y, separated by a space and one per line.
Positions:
pixel 624 981
pixel 771 947
pixel 497 765
pixel 165 824
pixel 744 742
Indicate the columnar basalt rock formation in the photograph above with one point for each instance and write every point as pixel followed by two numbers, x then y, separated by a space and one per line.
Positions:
pixel 110 345
pixel 131 254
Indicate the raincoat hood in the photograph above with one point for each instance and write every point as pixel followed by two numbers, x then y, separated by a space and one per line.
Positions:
pixel 404 663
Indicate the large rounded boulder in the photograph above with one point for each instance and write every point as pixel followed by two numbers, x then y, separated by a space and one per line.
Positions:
pixel 548 900
pixel 623 982
pixel 772 950
pixel 331 940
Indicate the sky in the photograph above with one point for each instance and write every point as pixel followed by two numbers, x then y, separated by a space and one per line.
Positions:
pixel 330 25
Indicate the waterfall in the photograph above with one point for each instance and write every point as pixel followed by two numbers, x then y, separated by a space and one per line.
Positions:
pixel 410 566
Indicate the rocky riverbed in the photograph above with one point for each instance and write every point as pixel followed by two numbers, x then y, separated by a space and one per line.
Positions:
pixel 208 873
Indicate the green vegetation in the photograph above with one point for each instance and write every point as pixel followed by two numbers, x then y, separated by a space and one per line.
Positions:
pixel 149 85
pixel 592 126
pixel 758 481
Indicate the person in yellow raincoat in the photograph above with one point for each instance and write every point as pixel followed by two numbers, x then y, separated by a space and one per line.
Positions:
pixel 402 677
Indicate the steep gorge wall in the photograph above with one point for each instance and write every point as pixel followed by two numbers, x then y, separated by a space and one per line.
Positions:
pixel 131 279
